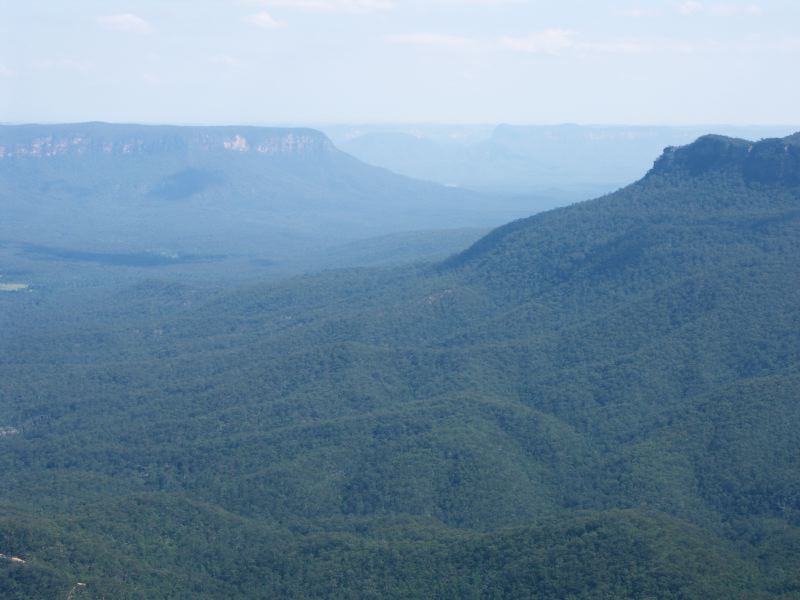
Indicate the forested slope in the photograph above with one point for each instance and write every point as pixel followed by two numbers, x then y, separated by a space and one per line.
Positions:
pixel 596 402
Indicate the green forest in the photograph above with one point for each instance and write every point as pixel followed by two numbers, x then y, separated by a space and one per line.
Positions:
pixel 596 402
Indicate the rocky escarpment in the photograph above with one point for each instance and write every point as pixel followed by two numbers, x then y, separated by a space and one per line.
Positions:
pixel 769 161
pixel 87 139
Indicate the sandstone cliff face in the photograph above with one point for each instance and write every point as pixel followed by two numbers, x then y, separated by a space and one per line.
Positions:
pixel 42 141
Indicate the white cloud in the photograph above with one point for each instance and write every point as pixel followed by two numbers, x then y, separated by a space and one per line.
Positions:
pixel 226 60
pixel 481 2
pixel 561 41
pixel 264 20
pixel 441 40
pixel 330 6
pixel 67 64
pixel 548 41
pixel 125 22
pixel 555 42
pixel 790 44
pixel 6 71
pixel 639 12
pixel 719 9
pixel 690 7
pixel 735 10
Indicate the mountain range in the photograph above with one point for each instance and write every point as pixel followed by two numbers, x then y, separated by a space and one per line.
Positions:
pixel 553 165
pixel 143 195
pixel 598 401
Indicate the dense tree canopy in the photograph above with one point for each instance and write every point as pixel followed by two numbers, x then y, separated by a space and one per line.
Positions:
pixel 596 402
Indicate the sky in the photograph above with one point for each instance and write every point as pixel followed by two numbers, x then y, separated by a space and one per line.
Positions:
pixel 400 61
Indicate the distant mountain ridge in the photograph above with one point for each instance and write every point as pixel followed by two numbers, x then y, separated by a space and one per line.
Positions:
pixel 557 163
pixel 769 161
pixel 273 194
pixel 82 139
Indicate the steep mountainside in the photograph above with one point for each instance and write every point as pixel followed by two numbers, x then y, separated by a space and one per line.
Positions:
pixel 594 402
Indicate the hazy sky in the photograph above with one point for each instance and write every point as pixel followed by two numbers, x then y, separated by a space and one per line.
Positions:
pixel 467 61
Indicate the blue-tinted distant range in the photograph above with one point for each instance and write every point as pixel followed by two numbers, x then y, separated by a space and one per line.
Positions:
pixel 550 165
pixel 296 62
pixel 194 197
